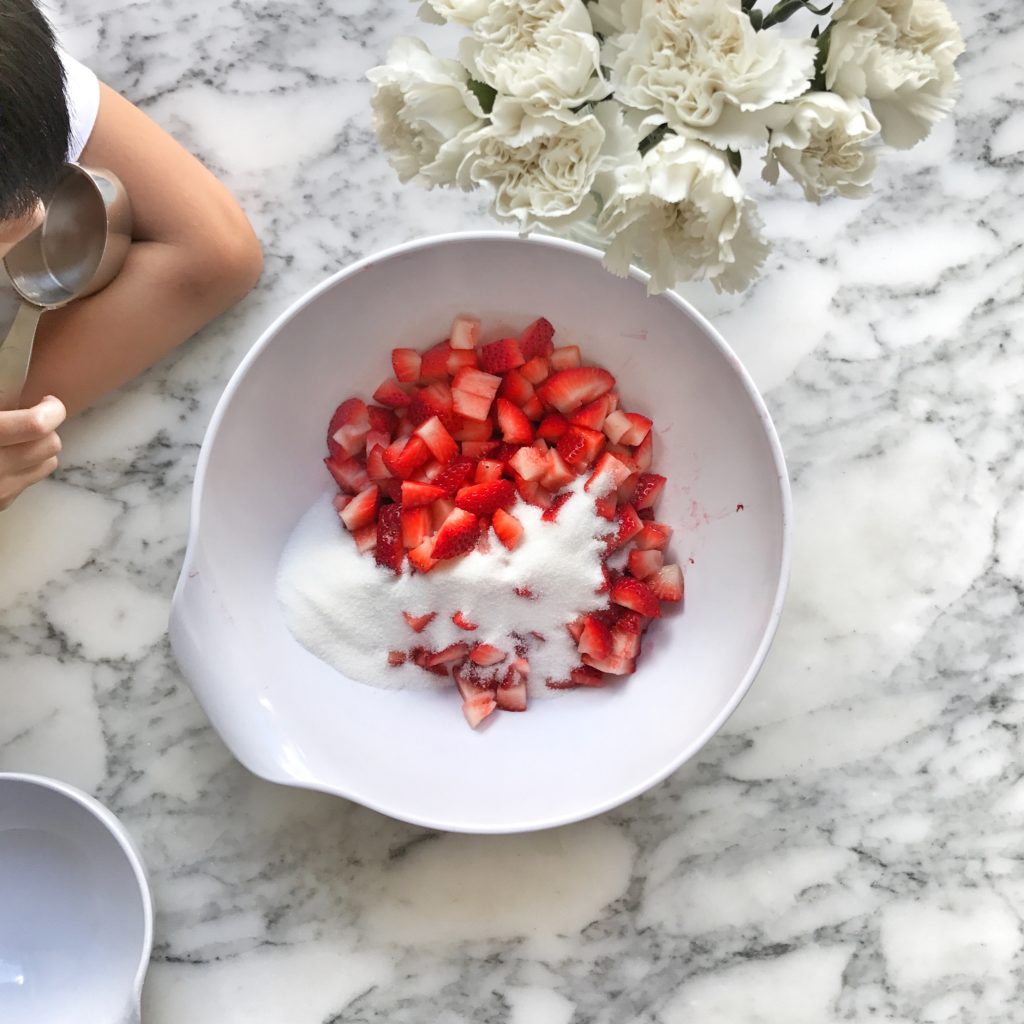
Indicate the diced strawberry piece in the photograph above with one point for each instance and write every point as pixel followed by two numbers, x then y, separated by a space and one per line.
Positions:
pixel 643 563
pixel 348 474
pixel 434 362
pixel 629 527
pixel 569 389
pixel 470 683
pixel 500 356
pixel 535 341
pixel 348 428
pixel 646 514
pixel 418 623
pixel 477 708
pixel 339 501
pixel 483 542
pixel 643 454
pixel 648 487
pixel 362 509
pixel 503 452
pixel 484 499
pixel 486 655
pixel 396 657
pixel 508 528
pixel 532 493
pixel 516 388
pixel 625 642
pixel 404 457
pixel 584 675
pixel 553 426
pixel 534 409
pixel 550 514
pixel 639 428
pixel 391 488
pixel 416 494
pixel 389 551
pixel 558 474
pixel 441 444
pixel 472 393
pixel 457 535
pixel 627 489
pixel 667 583
pixel 608 474
pixel 513 423
pixel 406 364
pixel 613 400
pixel 430 470
pixel 592 414
pixel 595 638
pixel 458 358
pixel 382 420
pixel 453 652
pixel 421 557
pixel 440 511
pixel 580 446
pixel 635 595
pixel 404 429
pixel 433 400
pixel 365 538
pixel 465 429
pixel 607 507
pixel 616 425
pixel 653 535
pixel 565 358
pixel 462 622
pixel 415 527
pixel 613 664
pixel 488 470
pixel 390 393
pixel 473 407
pixel 465 332
pixel 377 439
pixel 529 463
pixel 511 692
pixel 536 369
pixel 478 449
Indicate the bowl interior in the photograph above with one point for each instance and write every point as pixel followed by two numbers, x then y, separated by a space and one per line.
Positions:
pixel 291 718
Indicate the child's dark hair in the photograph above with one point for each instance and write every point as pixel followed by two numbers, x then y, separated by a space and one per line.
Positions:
pixel 34 122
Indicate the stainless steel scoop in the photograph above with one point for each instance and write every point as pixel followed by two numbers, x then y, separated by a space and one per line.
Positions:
pixel 78 249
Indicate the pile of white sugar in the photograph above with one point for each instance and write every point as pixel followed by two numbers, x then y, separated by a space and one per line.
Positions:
pixel 347 610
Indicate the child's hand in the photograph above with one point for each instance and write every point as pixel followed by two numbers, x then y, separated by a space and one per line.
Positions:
pixel 28 446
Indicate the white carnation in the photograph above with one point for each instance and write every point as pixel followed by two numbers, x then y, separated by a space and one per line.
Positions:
pixel 541 167
pixel 899 54
pixel 700 66
pixel 679 212
pixel 460 12
pixel 540 52
pixel 823 146
pixel 423 112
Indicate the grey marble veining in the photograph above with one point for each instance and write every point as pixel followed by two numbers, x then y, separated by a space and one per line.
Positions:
pixel 848 849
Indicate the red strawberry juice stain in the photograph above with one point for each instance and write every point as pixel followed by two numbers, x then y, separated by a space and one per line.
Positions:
pixel 739 508
pixel 525 592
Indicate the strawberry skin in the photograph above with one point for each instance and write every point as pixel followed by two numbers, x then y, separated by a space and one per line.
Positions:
pixel 389 551
pixel 406 364
pixel 567 390
pixel 579 446
pixel 536 339
pixel 455 474
pixel 500 356
pixel 415 494
pixel 667 583
pixel 362 509
pixel 648 487
pixel 484 499
pixel 508 528
pixel 514 425
pixel 637 596
pixel 458 534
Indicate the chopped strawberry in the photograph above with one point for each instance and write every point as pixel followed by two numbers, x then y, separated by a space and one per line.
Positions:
pixel 416 494
pixel 584 675
pixel 486 655
pixel 635 595
pixel 389 551
pixel 529 463
pixel 514 425
pixel 608 474
pixel 382 420
pixel 667 583
pixel 536 340
pixel 639 428
pixel 415 527
pixel 553 426
pixel 536 369
pixel 644 453
pixel 403 457
pixel 466 429
pixel 643 563
pixel 440 511
pixel 457 535
pixel 613 664
pixel 532 493
pixel 508 528
pixel 653 535
pixel 339 501
pixel 616 425
pixel 418 623
pixel 349 474
pixel 390 393
pixel 500 356
pixel 471 683
pixel 516 388
pixel 511 692
pixel 453 652
pixel 421 557
pixel 377 439
pixel 550 514
pixel 478 449
pixel 365 538
pixel 428 471
pixel 473 391
pixel 627 489
pixel 488 470
pixel 568 389
pixel 595 638
pixel 396 657
pixel 465 332
pixel 441 444
pixel 625 642
pixel 406 364
pixel 565 358
pixel 477 708
pixel 483 499
pixel 580 446
pixel 648 487
pixel 362 509
pixel 607 507
pixel 433 400
pixel 592 414
pixel 462 622
pixel 458 358
pixel 391 488
pixel 348 427
pixel 629 527
pixel 558 474
pixel 434 363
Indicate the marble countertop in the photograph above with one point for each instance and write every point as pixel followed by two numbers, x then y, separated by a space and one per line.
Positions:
pixel 847 849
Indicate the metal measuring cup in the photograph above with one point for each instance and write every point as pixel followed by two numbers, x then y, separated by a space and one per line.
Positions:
pixel 78 249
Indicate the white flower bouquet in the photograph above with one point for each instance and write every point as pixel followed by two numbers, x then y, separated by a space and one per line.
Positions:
pixel 627 120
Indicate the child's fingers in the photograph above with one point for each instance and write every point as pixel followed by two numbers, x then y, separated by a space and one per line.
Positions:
pixel 21 425
pixel 19 458
pixel 12 485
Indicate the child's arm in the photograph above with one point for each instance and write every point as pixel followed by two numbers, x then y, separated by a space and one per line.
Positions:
pixel 28 447
pixel 193 255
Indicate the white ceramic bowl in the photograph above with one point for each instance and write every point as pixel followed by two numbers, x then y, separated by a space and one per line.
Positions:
pixel 76 915
pixel 291 719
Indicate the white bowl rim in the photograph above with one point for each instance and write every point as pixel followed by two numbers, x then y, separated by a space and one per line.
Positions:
pixel 778 458
pixel 119 832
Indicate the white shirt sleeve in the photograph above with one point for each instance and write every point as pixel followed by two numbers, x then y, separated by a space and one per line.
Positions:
pixel 83 92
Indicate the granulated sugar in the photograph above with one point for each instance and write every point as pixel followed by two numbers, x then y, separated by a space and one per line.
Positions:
pixel 347 610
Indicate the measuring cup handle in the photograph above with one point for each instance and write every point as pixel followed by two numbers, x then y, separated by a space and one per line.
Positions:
pixel 15 353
